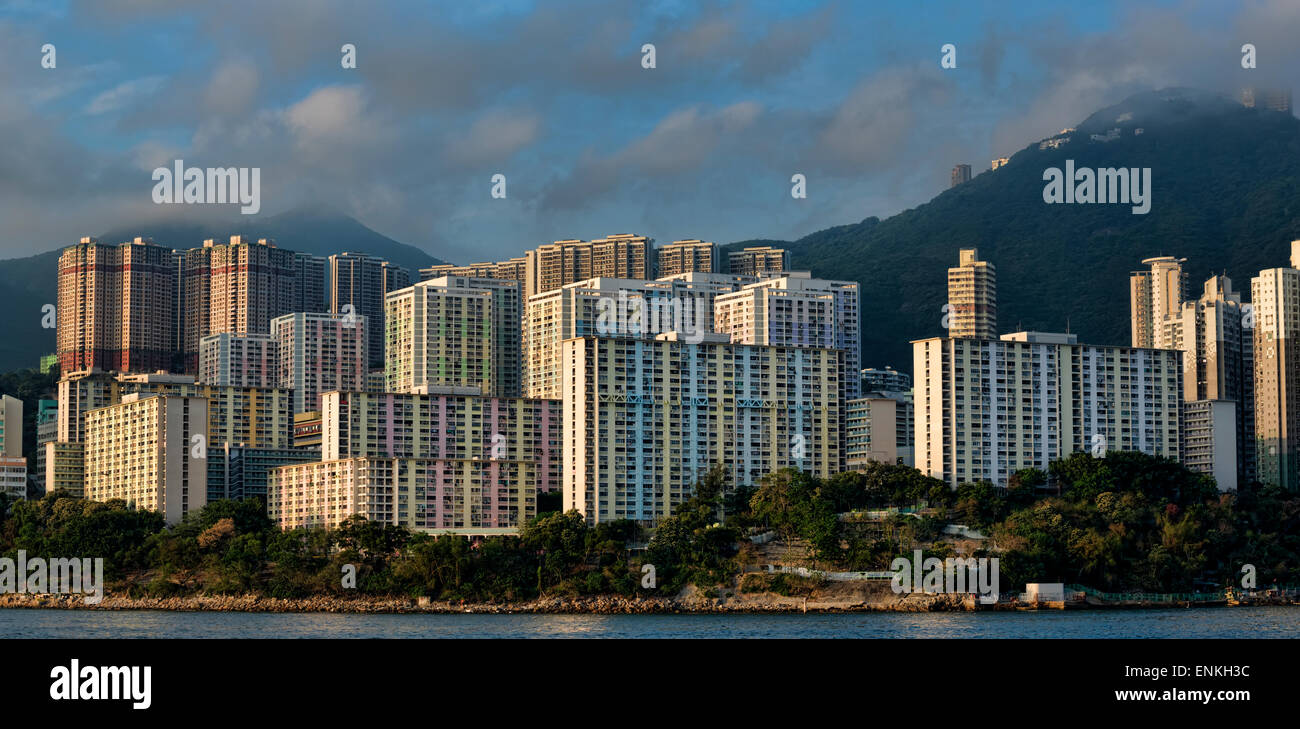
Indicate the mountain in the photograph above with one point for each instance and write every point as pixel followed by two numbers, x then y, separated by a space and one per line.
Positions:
pixel 317 230
pixel 1225 195
pixel 27 284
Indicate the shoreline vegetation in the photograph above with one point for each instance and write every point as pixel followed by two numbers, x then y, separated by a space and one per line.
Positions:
pixel 1123 530
pixel 766 603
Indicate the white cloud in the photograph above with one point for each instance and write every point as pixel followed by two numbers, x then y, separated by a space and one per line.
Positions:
pixel 124 95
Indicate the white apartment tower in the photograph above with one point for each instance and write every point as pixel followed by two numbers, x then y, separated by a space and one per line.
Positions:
pixel 1156 295
pixel 797 310
pixel 615 307
pixel 986 408
pixel 454 331
pixel 1275 295
pixel 645 419
pixel 317 353
pixel 151 451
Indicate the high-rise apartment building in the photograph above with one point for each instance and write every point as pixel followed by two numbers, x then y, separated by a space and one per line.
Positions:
pixel 512 269
pixel 440 463
pixel 645 419
pixel 151 452
pixel 239 286
pixel 311 292
pixel 960 174
pixel 1210 440
pixel 686 256
pixel 359 284
pixel 1275 296
pixel 986 408
pixel 117 306
pixel 551 266
pixel 319 352
pixel 760 261
pixel 252 416
pixel 243 360
pixel 611 307
pixel 455 331
pixel 1156 295
pixel 797 310
pixel 972 297
pixel 1218 362
pixel 453 423
pixel 249 416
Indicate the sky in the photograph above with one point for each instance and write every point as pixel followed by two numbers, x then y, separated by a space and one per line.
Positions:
pixel 555 97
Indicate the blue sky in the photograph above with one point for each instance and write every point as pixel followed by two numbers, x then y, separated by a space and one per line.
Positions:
pixel 553 96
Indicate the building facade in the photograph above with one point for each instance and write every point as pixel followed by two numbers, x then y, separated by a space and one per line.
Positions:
pixel 874 426
pixel 47 430
pixel 888 379
pixel 512 269
pixel 65 468
pixel 247 471
pixel 1210 440
pixel 447 462
pixel 548 267
pixel 796 310
pixel 117 306
pixel 758 261
pixel 249 416
pixel 986 408
pixel 239 286
pixel 359 284
pixel 645 419
pixel 11 426
pixel 686 256
pixel 1275 296
pixel 1156 295
pixel 13 477
pixel 1215 334
pixel 242 360
pixel 151 452
pixel 319 352
pixel 454 332
pixel 972 297
pixel 612 307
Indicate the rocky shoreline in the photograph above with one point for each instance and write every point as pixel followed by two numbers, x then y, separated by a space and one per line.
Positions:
pixel 590 605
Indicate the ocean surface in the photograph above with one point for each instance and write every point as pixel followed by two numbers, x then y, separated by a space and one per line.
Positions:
pixel 1258 622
